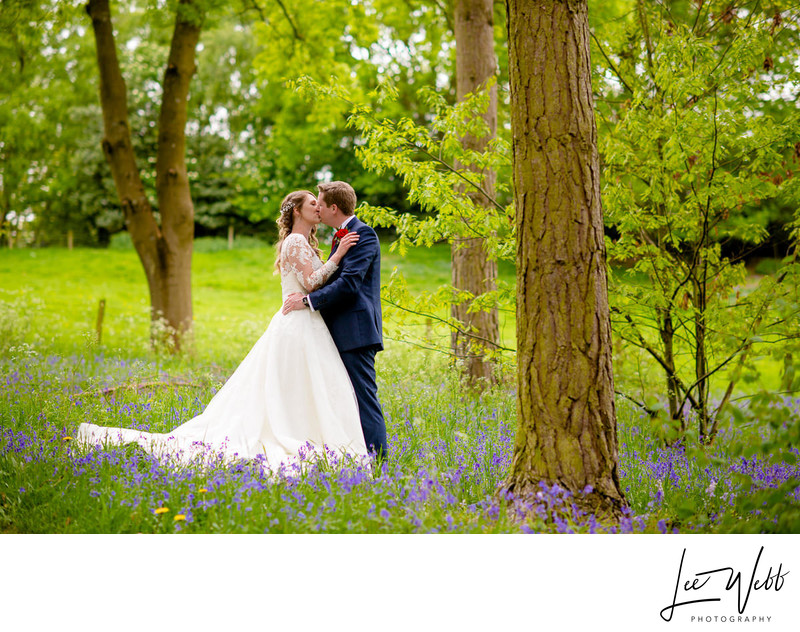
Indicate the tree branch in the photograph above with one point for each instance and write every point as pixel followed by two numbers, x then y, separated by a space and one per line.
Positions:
pixel 641 405
pixel 641 342
pixel 140 386
pixel 611 63
pixel 449 167
pixel 451 325
pixel 288 17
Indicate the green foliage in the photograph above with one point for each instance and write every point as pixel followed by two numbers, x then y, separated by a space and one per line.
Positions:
pixel 442 178
pixel 772 414
pixel 217 244
pixel 298 142
pixel 250 138
pixel 693 144
pixel 420 318
pixel 436 170
pixel 41 115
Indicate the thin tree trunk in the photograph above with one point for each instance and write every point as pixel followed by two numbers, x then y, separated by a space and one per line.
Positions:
pixel 701 360
pixel 165 251
pixel 566 416
pixel 4 209
pixel 472 270
pixel 667 330
pixel 19 234
pixel 788 372
pixel 5 223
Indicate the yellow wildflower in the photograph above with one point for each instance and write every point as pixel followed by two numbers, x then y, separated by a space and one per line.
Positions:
pixel 161 510
pixel 67 438
pixel 179 517
pixel 202 490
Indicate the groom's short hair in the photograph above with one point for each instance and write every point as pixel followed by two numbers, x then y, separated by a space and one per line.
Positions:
pixel 339 193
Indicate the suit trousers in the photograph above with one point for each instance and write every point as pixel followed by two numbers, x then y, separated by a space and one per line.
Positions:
pixel 360 365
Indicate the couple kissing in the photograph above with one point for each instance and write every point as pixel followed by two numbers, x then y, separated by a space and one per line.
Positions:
pixel 309 382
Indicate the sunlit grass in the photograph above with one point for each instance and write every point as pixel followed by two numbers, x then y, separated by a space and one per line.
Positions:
pixel 234 292
pixel 450 450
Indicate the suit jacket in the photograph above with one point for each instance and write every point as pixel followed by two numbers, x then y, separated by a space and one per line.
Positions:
pixel 350 303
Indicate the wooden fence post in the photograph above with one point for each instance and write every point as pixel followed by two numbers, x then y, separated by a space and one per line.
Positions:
pixel 101 310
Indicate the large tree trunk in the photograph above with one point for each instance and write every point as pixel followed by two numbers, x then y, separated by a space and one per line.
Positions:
pixel 472 270
pixel 566 418
pixel 165 251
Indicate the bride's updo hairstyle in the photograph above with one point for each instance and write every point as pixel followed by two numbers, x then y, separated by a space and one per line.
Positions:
pixel 286 223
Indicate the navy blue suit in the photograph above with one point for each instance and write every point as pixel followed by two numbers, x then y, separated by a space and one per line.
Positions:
pixel 350 304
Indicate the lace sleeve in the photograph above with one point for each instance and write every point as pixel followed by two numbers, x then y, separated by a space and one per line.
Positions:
pixel 297 257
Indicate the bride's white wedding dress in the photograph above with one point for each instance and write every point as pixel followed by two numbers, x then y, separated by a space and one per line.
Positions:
pixel 290 390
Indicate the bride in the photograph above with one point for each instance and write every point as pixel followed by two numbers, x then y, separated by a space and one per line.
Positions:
pixel 291 389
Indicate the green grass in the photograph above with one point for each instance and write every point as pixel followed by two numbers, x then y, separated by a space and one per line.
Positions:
pixel 235 293
pixel 450 448
pixel 51 296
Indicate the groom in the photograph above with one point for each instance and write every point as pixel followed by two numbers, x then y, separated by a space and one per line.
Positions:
pixel 350 303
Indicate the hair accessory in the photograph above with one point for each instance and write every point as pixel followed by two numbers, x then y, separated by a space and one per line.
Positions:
pixel 287 207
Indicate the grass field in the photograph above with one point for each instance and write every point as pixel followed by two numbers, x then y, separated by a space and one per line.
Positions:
pixel 235 293
pixel 450 449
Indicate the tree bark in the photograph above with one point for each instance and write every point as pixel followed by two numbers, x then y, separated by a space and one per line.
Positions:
pixel 566 415
pixel 472 270
pixel 172 179
pixel 165 251
pixel 667 331
pixel 701 361
pixel 5 223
